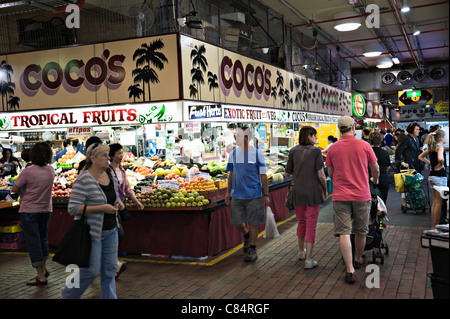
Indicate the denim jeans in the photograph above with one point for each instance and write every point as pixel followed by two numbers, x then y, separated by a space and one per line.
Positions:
pixel 104 260
pixel 35 227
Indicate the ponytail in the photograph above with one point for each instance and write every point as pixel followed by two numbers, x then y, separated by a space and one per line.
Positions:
pixel 434 138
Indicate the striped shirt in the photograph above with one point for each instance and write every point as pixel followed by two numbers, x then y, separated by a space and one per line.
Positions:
pixel 87 191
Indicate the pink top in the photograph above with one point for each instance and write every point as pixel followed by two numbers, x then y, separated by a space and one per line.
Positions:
pixel 38 183
pixel 123 181
pixel 350 158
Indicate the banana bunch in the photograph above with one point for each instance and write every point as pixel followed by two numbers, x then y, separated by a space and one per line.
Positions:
pixel 170 162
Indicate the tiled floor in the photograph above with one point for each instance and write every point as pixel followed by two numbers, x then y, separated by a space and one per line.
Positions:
pixel 276 275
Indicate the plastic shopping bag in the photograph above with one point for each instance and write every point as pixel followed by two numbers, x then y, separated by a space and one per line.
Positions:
pixel 271 230
pixel 399 179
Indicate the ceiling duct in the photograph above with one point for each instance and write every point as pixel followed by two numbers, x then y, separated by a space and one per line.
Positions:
pixel 437 73
pixel 404 77
pixel 388 78
pixel 420 75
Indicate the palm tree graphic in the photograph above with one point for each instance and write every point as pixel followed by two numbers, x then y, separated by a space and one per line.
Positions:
pixel 274 94
pixel 147 57
pixel 193 90
pixel 212 81
pixel 6 85
pixel 199 64
pixel 135 92
pixel 14 102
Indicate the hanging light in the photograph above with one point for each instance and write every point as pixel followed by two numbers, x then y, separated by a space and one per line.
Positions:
pixel 395 60
pixel 405 7
pixel 384 62
pixel 372 49
pixel 349 24
pixel 416 31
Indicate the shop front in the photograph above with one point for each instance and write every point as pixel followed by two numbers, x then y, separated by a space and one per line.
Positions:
pixel 114 91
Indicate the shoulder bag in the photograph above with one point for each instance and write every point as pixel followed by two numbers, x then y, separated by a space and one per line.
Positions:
pixel 289 201
pixel 75 247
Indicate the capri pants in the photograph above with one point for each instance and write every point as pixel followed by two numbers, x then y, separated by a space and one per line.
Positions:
pixel 307 221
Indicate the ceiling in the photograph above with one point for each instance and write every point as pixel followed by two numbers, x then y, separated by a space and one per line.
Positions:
pixel 394 32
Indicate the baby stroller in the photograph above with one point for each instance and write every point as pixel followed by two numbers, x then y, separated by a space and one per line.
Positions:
pixel 374 238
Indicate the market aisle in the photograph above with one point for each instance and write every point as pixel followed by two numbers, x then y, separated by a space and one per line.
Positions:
pixel 277 274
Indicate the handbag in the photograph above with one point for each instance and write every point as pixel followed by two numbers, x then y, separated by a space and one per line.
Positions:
pixel 289 200
pixel 75 247
pixel 399 179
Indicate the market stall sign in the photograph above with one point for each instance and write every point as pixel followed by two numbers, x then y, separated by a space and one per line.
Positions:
pixel 93 116
pixel 410 98
pixel 358 105
pixel 209 111
pixel 442 107
pixel 79 132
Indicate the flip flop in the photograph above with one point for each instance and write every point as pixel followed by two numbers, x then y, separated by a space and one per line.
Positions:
pixel 121 270
pixel 37 282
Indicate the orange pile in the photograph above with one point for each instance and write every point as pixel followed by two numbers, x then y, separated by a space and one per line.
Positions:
pixel 145 171
pixel 200 184
pixel 67 156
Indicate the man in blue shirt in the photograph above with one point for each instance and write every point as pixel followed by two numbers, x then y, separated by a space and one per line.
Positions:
pixel 247 190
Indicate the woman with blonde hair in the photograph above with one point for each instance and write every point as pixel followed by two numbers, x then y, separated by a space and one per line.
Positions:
pixel 95 193
pixel 438 174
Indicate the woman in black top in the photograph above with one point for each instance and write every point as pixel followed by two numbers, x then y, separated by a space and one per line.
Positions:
pixel 375 140
pixel 8 163
pixel 438 174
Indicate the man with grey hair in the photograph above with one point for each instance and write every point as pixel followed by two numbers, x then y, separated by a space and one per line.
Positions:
pixel 347 163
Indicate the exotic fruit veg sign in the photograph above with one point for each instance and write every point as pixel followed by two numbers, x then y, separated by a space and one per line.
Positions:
pixel 358 105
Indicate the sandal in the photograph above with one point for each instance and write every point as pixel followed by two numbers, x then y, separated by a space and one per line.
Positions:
pixel 37 282
pixel 121 270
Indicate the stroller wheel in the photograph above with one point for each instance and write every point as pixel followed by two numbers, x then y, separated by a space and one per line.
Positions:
pixel 381 257
pixel 374 256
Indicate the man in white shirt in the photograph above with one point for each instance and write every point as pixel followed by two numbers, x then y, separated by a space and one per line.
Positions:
pixel 197 149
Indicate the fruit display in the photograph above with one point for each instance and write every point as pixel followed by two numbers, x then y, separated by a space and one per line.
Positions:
pixel 66 157
pixel 63 190
pixel 200 184
pixel 160 198
pixel 145 171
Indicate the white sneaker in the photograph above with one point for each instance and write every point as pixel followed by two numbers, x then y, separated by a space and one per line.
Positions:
pixel 310 264
pixel 302 254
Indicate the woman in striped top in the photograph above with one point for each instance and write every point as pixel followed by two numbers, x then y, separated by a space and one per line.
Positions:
pixel 96 190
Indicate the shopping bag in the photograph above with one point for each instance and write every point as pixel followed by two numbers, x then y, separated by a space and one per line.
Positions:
pixel 399 180
pixel 75 247
pixel 271 230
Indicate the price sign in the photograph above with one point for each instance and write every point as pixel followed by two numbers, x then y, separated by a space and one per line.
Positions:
pixel 169 185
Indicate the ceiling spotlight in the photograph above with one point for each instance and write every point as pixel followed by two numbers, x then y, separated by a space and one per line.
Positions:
pixel 372 49
pixel 416 31
pixel 384 62
pixel 194 23
pixel 405 7
pixel 395 60
pixel 265 50
pixel 344 25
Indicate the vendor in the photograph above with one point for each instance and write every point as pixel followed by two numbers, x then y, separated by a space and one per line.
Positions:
pixel 66 144
pixel 197 149
pixel 9 164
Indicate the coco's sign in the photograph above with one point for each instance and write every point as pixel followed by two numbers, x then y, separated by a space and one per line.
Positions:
pixel 49 78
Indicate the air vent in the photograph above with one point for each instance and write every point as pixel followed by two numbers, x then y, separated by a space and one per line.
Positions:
pixel 388 78
pixel 419 75
pixel 404 77
pixel 437 73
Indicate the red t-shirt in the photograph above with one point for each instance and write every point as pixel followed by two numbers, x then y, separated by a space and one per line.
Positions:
pixel 38 182
pixel 350 158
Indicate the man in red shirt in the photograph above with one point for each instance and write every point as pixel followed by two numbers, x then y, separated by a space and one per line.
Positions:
pixel 347 162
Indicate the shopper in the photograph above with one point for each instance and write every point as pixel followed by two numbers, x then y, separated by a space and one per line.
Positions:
pixel 247 190
pixel 305 163
pixel 91 140
pixel 124 190
pixel 96 191
pixel 384 161
pixel 365 134
pixel 347 163
pixel 438 174
pixel 407 153
pixel 197 148
pixel 9 164
pixel 35 187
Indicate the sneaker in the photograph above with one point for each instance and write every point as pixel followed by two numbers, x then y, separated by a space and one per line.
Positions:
pixel 302 254
pixel 246 244
pixel 360 264
pixel 350 278
pixel 251 255
pixel 310 264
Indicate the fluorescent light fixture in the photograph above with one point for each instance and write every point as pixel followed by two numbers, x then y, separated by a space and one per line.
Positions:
pixel 349 24
pixel 372 50
pixel 416 31
pixel 384 63
pixel 405 7
pixel 265 50
pixel 395 60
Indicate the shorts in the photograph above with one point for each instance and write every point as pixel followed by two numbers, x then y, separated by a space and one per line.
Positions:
pixel 437 181
pixel 351 217
pixel 247 210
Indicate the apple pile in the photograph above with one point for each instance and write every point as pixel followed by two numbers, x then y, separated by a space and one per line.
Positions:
pixel 64 190
pixel 170 198
pixel 61 191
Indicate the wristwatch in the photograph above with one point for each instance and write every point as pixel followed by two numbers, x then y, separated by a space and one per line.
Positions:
pixel 266 195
